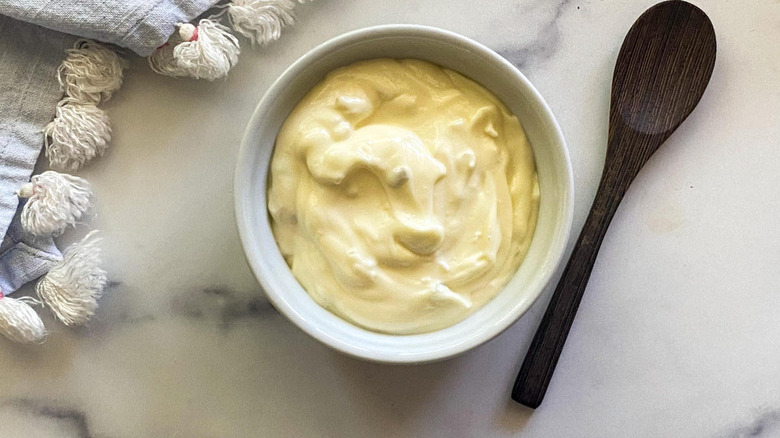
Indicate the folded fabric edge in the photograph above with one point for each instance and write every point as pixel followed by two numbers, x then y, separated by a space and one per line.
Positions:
pixel 159 23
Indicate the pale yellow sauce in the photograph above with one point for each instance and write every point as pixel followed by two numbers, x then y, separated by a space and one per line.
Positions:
pixel 402 195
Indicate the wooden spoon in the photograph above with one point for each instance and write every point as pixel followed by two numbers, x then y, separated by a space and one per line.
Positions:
pixel 661 72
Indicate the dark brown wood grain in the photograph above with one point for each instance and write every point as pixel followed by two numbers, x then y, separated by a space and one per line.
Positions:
pixel 661 72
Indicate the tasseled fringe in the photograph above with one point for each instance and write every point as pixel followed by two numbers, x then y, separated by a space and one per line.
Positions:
pixel 72 288
pixel 260 21
pixel 55 201
pixel 19 322
pixel 91 72
pixel 78 133
pixel 208 52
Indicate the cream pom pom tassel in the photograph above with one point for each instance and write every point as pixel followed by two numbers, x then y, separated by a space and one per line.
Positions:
pixel 260 21
pixel 78 133
pixel 208 52
pixel 55 201
pixel 91 72
pixel 19 322
pixel 72 288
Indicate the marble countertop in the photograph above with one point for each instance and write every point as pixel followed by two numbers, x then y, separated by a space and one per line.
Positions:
pixel 677 334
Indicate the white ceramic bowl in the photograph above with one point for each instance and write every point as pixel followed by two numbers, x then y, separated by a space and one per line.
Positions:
pixel 451 51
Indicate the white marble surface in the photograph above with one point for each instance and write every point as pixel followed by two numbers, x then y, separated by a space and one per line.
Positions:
pixel 677 334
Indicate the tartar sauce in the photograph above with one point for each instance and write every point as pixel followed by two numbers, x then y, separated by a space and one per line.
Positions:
pixel 402 195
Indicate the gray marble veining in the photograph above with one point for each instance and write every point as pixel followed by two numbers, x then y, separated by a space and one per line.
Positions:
pixel 64 422
pixel 541 48
pixel 766 424
pixel 221 306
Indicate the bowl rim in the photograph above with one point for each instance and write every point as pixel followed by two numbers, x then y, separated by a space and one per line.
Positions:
pixel 243 173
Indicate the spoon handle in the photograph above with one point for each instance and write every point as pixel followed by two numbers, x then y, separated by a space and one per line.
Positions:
pixel 539 364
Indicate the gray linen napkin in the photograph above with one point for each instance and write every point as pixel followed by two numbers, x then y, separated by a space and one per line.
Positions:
pixel 34 37
pixel 139 25
pixel 29 91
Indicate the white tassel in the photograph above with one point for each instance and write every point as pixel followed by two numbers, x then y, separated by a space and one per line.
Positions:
pixel 19 322
pixel 72 288
pixel 261 21
pixel 56 201
pixel 208 52
pixel 91 72
pixel 78 133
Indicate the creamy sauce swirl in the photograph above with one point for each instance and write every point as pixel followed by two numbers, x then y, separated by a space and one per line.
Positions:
pixel 402 195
